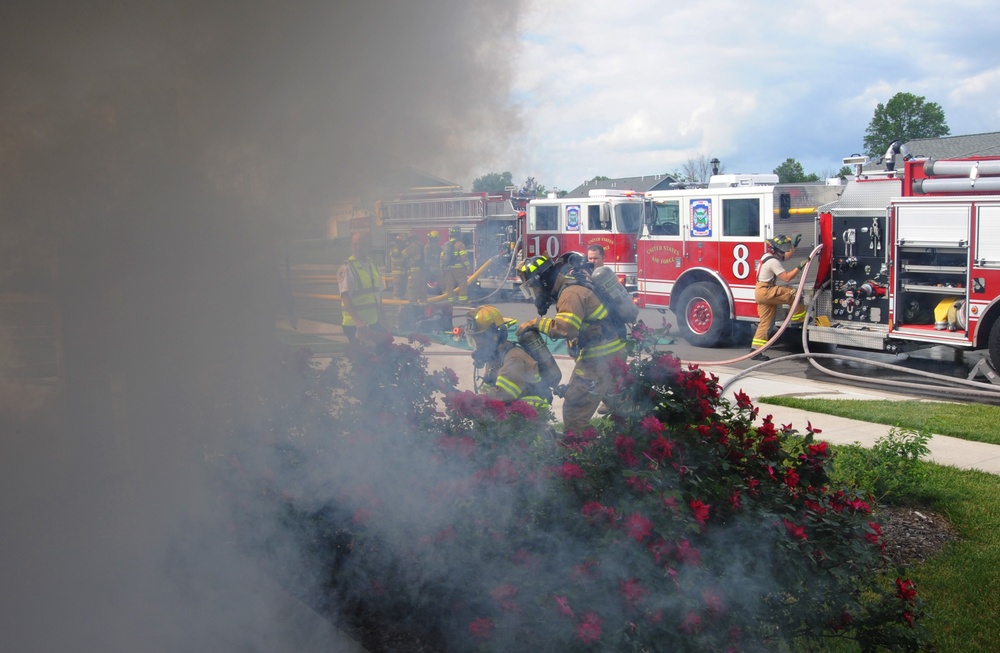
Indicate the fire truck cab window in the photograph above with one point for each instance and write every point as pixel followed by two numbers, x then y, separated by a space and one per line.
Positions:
pixel 598 218
pixel 665 219
pixel 628 218
pixel 741 217
pixel 543 218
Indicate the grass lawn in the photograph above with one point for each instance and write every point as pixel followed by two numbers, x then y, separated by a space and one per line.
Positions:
pixel 966 421
pixel 960 585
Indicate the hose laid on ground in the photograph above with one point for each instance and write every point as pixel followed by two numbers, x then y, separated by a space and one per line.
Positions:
pixel 966 387
pixel 781 329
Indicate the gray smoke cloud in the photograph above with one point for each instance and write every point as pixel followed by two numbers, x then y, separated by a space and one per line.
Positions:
pixel 154 158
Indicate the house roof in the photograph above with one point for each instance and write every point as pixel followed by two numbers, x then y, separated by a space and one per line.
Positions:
pixel 638 184
pixel 951 147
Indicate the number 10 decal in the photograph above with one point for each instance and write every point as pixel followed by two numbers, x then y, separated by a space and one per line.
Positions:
pixel 551 246
pixel 741 266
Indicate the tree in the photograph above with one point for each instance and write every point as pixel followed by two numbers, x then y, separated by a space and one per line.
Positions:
pixel 791 172
pixel 905 117
pixel 700 168
pixel 492 182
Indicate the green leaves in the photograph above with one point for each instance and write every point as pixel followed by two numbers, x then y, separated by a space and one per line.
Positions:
pixel 685 523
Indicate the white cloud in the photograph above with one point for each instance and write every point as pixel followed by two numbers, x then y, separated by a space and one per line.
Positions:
pixel 617 89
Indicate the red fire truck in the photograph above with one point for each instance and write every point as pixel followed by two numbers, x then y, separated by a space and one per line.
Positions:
pixel 913 260
pixel 701 247
pixel 910 258
pixel 608 217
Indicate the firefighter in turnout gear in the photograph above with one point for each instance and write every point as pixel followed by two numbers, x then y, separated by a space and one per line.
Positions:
pixel 769 294
pixel 396 266
pixel 510 373
pixel 584 322
pixel 455 266
pixel 413 262
pixel 432 258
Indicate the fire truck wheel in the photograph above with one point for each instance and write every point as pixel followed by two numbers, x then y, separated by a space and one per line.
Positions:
pixel 703 315
pixel 995 345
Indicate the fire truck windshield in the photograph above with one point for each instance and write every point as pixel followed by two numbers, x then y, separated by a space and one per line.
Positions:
pixel 628 218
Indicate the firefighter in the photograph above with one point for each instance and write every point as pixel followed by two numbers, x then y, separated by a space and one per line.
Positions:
pixel 769 294
pixel 455 266
pixel 413 265
pixel 510 373
pixel 432 259
pixel 584 322
pixel 396 264
pixel 360 290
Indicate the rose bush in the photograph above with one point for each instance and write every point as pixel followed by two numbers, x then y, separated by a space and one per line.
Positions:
pixel 683 522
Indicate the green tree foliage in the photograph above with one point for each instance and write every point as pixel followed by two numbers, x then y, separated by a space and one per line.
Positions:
pixel 906 117
pixel 492 182
pixel 791 172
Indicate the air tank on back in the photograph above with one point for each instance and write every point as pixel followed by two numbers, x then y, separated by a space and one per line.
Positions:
pixel 533 343
pixel 610 290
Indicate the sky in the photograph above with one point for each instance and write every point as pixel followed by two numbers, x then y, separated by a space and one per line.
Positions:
pixel 157 157
pixel 632 88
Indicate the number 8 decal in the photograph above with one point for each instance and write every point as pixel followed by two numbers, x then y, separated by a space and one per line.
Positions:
pixel 741 267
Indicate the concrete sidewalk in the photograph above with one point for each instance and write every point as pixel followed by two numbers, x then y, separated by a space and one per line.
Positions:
pixel 944 450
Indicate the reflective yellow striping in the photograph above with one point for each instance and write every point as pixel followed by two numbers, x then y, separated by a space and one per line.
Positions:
pixel 508 386
pixel 570 318
pixel 599 313
pixel 606 349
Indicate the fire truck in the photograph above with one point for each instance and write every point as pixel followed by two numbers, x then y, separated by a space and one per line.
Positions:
pixel 489 222
pixel 701 247
pixel 913 260
pixel 611 218
pixel 910 259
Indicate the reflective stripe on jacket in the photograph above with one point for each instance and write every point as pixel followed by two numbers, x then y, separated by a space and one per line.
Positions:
pixel 364 292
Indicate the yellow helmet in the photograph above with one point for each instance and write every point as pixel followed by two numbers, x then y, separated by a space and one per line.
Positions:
pixel 481 319
pixel 433 234
pixel 485 328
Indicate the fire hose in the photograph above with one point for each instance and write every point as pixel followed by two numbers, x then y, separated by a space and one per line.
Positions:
pixel 964 387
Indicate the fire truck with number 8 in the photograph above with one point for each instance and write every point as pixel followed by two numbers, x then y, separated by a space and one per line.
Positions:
pixel 701 247
pixel 910 258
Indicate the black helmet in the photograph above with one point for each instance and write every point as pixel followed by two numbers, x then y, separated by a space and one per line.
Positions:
pixel 536 276
pixel 780 244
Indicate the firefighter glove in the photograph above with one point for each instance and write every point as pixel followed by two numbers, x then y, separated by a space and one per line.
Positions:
pixel 803 263
pixel 530 325
pixel 797 240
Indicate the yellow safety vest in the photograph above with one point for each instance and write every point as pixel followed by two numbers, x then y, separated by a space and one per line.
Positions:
pixel 364 296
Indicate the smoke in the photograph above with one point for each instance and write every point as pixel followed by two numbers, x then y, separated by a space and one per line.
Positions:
pixel 154 159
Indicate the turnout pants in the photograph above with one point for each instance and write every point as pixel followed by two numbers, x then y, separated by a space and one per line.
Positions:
pixel 769 297
pixel 592 381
